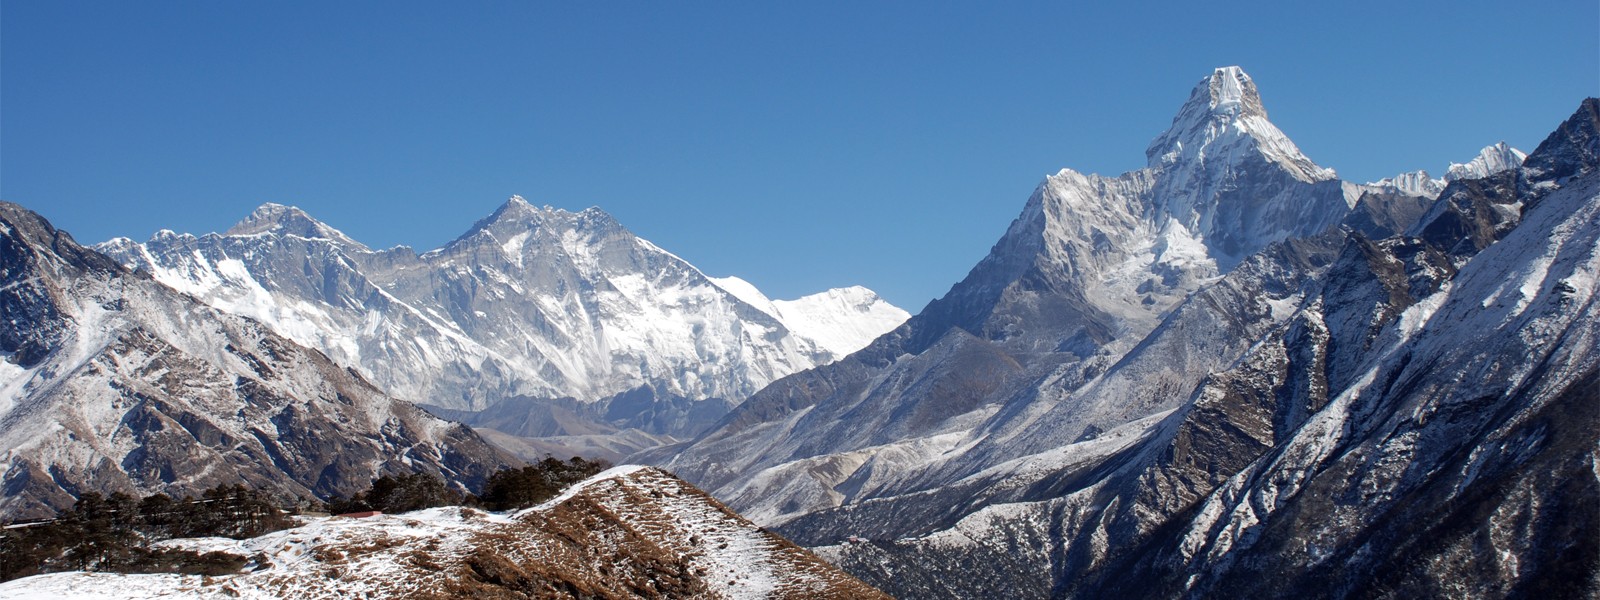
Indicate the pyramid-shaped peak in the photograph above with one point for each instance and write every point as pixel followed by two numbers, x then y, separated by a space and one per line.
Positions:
pixel 517 216
pixel 1224 119
pixel 519 211
pixel 279 219
pixel 275 211
pixel 1230 91
pixel 515 208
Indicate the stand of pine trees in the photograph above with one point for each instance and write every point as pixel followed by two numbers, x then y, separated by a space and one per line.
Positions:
pixel 511 489
pixel 115 533
pixel 506 489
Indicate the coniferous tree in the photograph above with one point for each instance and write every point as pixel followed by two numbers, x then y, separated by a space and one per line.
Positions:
pixel 113 533
pixel 510 489
pixel 158 516
pixel 406 493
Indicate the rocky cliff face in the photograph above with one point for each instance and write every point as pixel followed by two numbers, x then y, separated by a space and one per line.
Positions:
pixel 111 381
pixel 627 533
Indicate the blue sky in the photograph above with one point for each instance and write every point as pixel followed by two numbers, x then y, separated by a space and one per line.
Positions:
pixel 799 145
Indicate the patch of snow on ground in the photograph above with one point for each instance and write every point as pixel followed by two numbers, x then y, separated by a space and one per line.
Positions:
pixel 513 247
pixel 13 379
pixel 78 585
pixel 616 472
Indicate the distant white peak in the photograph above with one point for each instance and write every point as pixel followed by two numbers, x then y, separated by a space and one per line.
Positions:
pixel 1415 183
pixel 516 201
pixel 747 293
pixel 279 219
pixel 515 213
pixel 121 245
pixel 843 300
pixel 840 320
pixel 520 210
pixel 515 208
pixel 165 237
pixel 1223 116
pixel 854 293
pixel 512 227
pixel 1490 160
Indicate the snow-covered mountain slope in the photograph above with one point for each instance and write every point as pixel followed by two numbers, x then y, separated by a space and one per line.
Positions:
pixel 628 532
pixel 110 381
pixel 1410 429
pixel 840 320
pixel 1092 266
pixel 1490 160
pixel 531 302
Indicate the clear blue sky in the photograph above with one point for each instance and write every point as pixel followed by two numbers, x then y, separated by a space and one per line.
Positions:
pixel 800 145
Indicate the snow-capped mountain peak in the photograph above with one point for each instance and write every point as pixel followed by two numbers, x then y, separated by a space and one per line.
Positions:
pixel 746 292
pixel 1233 93
pixel 516 208
pixel 518 216
pixel 280 219
pixel 1225 120
pixel 531 302
pixel 1219 146
pixel 1491 159
pixel 840 320
pixel 1415 183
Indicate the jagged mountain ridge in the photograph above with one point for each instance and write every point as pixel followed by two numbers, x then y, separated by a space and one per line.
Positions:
pixel 530 303
pixel 1492 159
pixel 1413 429
pixel 628 532
pixel 113 382
pixel 1090 267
